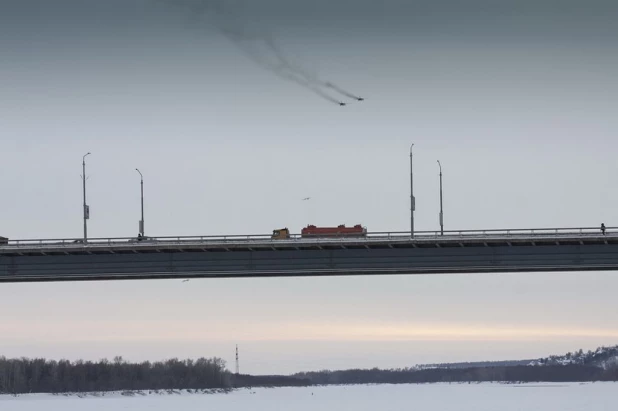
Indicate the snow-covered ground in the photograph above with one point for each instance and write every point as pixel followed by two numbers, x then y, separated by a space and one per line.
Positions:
pixel 443 397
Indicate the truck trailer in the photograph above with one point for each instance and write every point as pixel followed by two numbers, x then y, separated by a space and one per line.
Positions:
pixel 339 231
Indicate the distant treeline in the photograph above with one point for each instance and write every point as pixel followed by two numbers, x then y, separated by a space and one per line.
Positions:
pixel 515 374
pixel 242 380
pixel 477 364
pixel 18 376
pixel 39 375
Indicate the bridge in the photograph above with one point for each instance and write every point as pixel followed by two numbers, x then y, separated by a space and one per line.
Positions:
pixel 468 251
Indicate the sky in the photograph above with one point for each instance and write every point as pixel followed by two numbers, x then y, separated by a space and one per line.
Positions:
pixel 515 98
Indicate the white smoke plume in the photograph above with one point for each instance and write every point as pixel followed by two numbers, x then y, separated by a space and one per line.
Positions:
pixel 259 45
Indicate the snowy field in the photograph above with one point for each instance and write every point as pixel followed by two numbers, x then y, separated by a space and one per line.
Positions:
pixel 443 397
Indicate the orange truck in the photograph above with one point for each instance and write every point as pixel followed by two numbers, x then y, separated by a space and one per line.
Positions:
pixel 281 234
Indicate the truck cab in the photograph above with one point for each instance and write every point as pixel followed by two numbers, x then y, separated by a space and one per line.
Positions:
pixel 281 234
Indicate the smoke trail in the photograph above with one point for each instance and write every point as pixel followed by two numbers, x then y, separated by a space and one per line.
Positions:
pixel 302 71
pixel 342 91
pixel 260 46
pixel 280 66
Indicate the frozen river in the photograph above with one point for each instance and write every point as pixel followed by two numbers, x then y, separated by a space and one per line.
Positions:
pixel 443 397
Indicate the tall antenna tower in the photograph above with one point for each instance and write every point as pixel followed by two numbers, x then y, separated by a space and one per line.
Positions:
pixel 237 365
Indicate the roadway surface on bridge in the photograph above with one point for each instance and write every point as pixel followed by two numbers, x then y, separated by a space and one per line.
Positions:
pixel 574 249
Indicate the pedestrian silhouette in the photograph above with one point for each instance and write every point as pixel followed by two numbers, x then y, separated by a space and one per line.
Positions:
pixel 603 228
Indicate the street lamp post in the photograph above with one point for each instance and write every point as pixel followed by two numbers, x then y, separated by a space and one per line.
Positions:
pixel 86 208
pixel 441 209
pixel 412 199
pixel 141 223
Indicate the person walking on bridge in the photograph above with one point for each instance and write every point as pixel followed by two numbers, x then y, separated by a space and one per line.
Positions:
pixel 603 228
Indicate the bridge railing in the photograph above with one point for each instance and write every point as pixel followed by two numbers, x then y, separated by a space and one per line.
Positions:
pixel 262 238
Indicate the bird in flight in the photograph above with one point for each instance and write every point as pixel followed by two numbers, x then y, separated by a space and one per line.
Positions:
pixel 185 281
pixel 306 198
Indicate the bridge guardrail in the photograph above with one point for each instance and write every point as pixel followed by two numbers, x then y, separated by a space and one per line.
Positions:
pixel 264 238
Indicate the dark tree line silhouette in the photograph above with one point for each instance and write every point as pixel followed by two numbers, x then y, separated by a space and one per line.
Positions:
pixel 243 380
pixel 578 366
pixel 514 374
pixel 605 357
pixel 39 375
pixel 18 376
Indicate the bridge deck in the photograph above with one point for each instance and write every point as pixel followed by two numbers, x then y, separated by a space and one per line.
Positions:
pixel 260 256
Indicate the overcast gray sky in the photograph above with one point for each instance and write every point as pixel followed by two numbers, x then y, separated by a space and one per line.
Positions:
pixel 515 98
